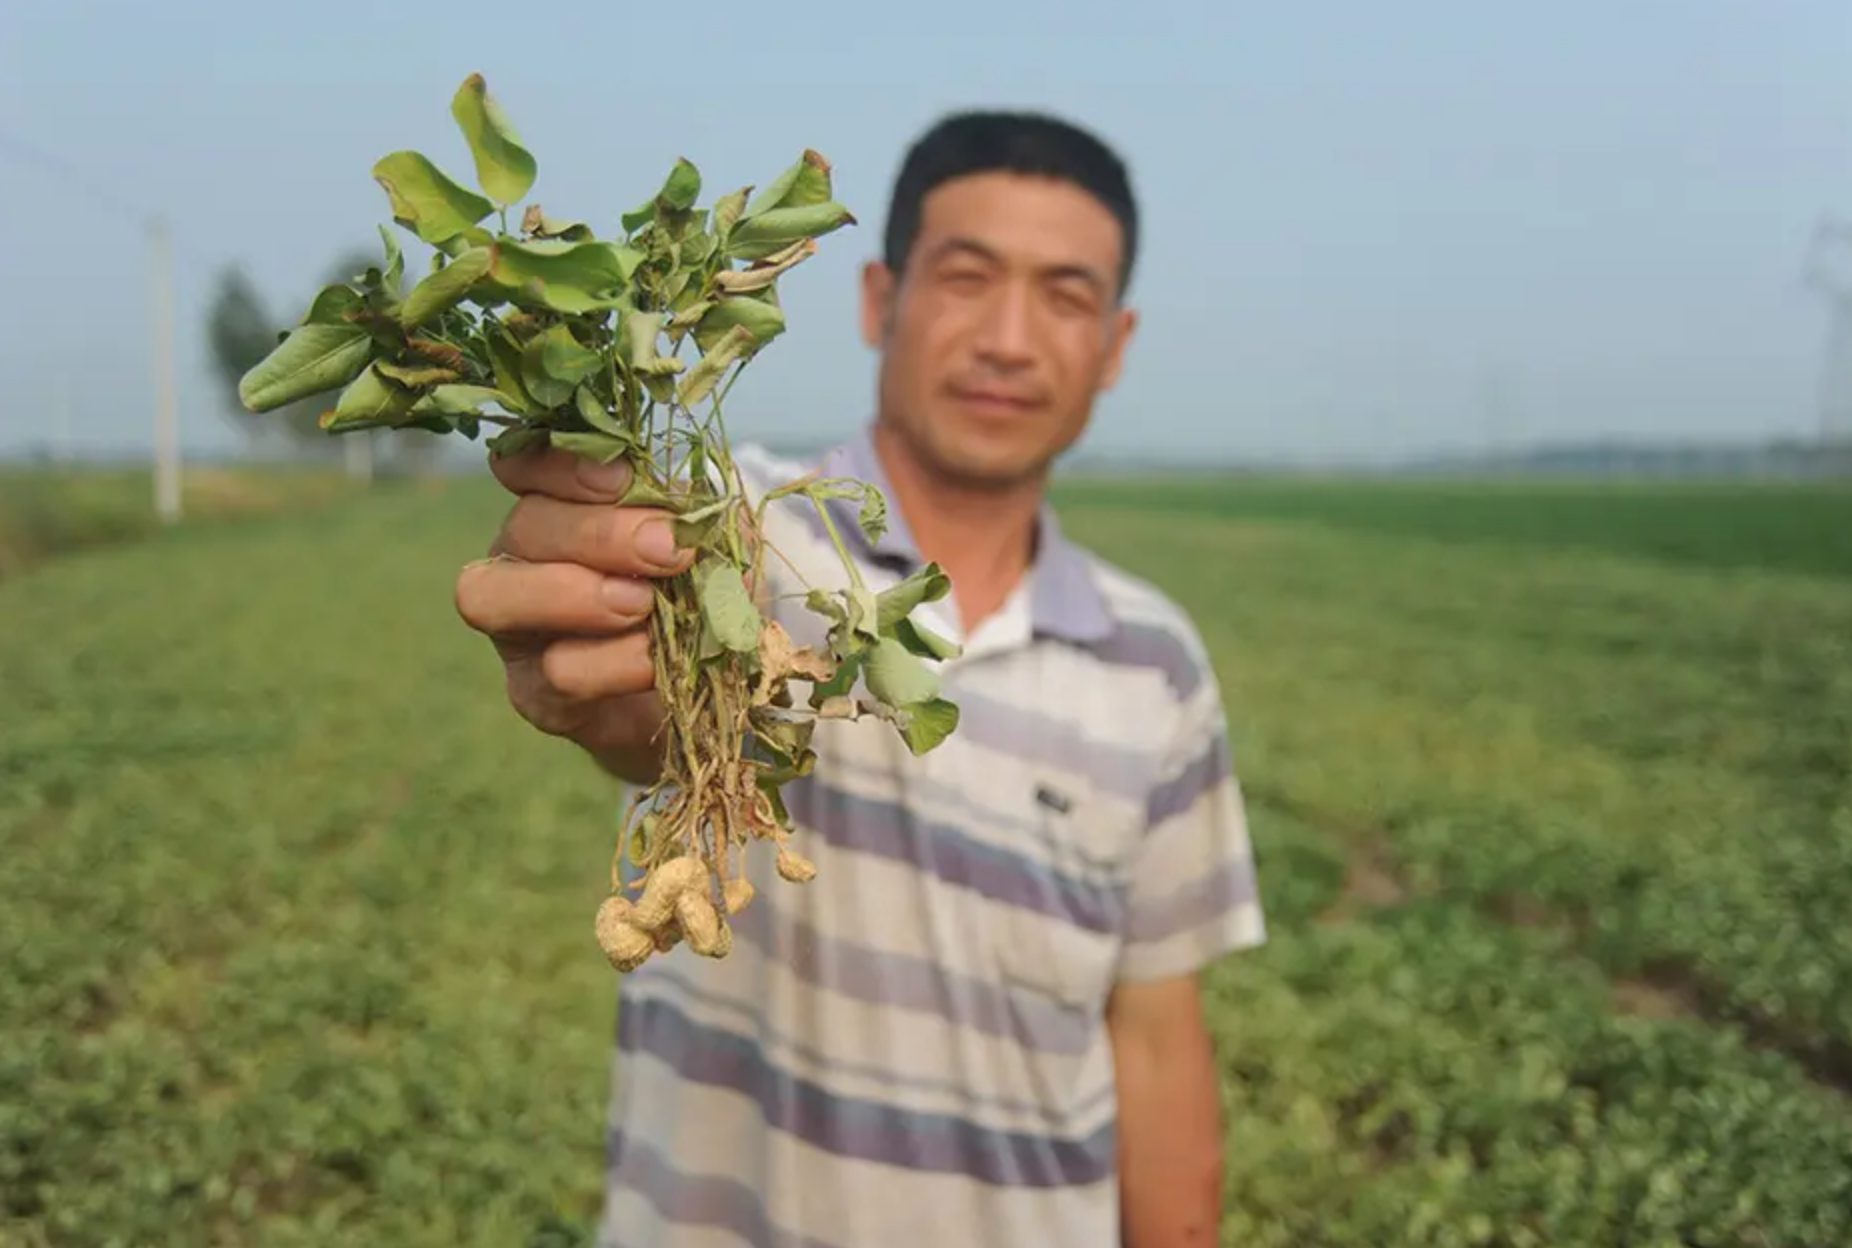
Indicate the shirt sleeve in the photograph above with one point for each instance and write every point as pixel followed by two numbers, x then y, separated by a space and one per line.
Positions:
pixel 1192 893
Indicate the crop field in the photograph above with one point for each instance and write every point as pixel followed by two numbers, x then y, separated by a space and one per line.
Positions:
pixel 1552 790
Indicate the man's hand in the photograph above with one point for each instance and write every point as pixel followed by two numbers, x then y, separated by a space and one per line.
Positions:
pixel 566 596
pixel 1170 1115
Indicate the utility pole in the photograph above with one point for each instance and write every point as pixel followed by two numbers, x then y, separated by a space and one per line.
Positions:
pixel 166 404
pixel 1834 283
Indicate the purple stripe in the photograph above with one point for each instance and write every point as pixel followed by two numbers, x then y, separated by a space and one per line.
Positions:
pixel 685 1200
pixel 920 985
pixel 1147 645
pixel 852 1126
pixel 1030 736
pixel 1176 795
pixel 886 830
pixel 750 1019
pixel 1229 887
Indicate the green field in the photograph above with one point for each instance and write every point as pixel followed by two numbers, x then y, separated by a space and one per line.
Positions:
pixel 1552 791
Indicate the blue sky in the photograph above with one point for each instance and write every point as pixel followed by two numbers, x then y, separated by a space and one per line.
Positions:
pixel 1364 219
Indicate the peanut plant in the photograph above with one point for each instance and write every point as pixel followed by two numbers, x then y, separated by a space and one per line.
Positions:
pixel 554 337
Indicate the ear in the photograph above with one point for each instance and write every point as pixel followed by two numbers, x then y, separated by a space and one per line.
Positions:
pixel 1121 327
pixel 877 302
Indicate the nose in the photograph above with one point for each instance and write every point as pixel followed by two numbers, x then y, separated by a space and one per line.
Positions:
pixel 1006 331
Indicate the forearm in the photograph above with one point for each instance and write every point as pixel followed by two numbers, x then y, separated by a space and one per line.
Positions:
pixel 1170 1141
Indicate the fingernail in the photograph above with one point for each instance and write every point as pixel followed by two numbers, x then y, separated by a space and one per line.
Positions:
pixel 612 478
pixel 626 595
pixel 656 543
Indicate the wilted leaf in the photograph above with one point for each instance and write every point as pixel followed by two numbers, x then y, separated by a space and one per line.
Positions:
pixel 537 223
pixel 767 271
pixel 415 376
pixel 766 235
pixel 516 440
pixel 370 401
pixel 780 659
pixel 567 277
pixel 394 276
pixel 504 168
pixel 311 359
pixel 641 330
pixel 928 584
pixel 601 447
pixel 460 400
pixel 444 288
pixel 696 529
pixel 728 210
pixel 425 201
pixel 873 516
pixel 727 605
pixel 707 371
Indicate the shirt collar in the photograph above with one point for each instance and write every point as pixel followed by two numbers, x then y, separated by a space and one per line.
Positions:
pixel 1064 598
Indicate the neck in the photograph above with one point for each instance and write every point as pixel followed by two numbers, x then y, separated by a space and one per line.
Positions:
pixel 983 538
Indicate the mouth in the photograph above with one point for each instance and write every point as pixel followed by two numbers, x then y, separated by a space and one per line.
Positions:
pixel 993 401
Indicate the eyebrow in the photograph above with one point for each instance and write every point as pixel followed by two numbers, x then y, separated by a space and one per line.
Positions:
pixel 965 243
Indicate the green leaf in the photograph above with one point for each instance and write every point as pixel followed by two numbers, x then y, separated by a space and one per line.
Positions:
pixel 727 606
pixel 445 288
pixel 897 676
pixel 514 441
pixel 593 412
pixel 681 188
pixel 707 371
pixel 311 359
pixel 804 182
pixel 929 723
pixel 696 529
pixel 928 584
pixel 727 210
pixel 641 352
pixel 761 236
pixel 425 201
pixel 760 319
pixel 331 306
pixel 394 276
pixel 369 402
pixel 504 168
pixel 922 641
pixel 565 276
pixel 505 358
pixel 553 364
pixel 601 447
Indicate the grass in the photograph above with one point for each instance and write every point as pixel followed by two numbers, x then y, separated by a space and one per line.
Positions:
pixel 48 512
pixel 1555 839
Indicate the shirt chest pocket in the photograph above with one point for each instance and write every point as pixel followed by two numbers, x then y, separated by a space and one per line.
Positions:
pixel 1054 935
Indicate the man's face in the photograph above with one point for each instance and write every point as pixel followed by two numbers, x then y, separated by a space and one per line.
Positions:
pixel 1003 329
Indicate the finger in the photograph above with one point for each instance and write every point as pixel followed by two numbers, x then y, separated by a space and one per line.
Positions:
pixel 506 598
pixel 561 474
pixel 584 669
pixel 623 541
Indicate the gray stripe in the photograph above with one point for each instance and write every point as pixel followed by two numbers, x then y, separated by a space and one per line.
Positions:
pixel 1148 645
pixel 1202 901
pixel 887 830
pixel 1176 795
pixel 751 1020
pixel 685 1200
pixel 854 1127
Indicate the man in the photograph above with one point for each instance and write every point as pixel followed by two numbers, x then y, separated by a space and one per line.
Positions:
pixel 979 1023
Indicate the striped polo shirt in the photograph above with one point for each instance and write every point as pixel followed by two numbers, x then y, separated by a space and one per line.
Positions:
pixel 910 1048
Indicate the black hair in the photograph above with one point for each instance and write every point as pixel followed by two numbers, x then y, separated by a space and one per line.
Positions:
pixel 1032 143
